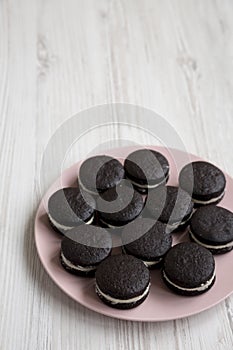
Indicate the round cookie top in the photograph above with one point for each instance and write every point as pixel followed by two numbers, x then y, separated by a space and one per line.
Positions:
pixel 213 224
pixel 146 239
pixel 86 245
pixel 122 276
pixel 189 265
pixel 100 173
pixel 68 207
pixel 119 205
pixel 146 166
pixel 203 179
pixel 169 204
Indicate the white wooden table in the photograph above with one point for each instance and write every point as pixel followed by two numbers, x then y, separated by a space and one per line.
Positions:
pixel 59 57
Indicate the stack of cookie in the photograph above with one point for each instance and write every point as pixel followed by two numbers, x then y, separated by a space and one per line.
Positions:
pixel 131 200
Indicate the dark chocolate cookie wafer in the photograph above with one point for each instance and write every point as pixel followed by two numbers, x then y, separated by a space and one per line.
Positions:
pixel 189 269
pixel 146 169
pixel 170 205
pixel 99 173
pixel 84 248
pixel 67 208
pixel 118 206
pixel 204 181
pixel 122 281
pixel 212 228
pixel 146 240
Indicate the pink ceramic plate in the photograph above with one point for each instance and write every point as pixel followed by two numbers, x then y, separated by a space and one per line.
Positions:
pixel 161 304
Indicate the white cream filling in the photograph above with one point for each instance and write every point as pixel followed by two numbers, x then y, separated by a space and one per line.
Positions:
pixel 63 227
pixel 222 246
pixel 149 186
pixel 110 226
pixel 122 301
pixel 177 224
pixel 198 289
pixel 77 267
pixel 212 200
pixel 152 263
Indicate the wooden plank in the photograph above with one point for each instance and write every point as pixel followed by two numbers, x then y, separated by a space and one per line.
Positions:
pixel 58 58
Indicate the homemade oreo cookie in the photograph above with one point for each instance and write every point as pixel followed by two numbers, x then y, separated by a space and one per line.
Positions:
pixel 100 173
pixel 118 206
pixel 67 208
pixel 147 240
pixel 170 205
pixel 84 248
pixel 189 269
pixel 212 228
pixel 204 181
pixel 122 281
pixel 146 169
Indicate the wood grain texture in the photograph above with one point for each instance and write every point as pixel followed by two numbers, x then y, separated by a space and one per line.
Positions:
pixel 59 57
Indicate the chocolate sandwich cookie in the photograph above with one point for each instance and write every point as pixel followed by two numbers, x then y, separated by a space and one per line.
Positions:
pixel 170 205
pixel 212 228
pixel 67 208
pixel 118 206
pixel 204 181
pixel 122 281
pixel 99 173
pixel 146 169
pixel 147 240
pixel 84 248
pixel 189 269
